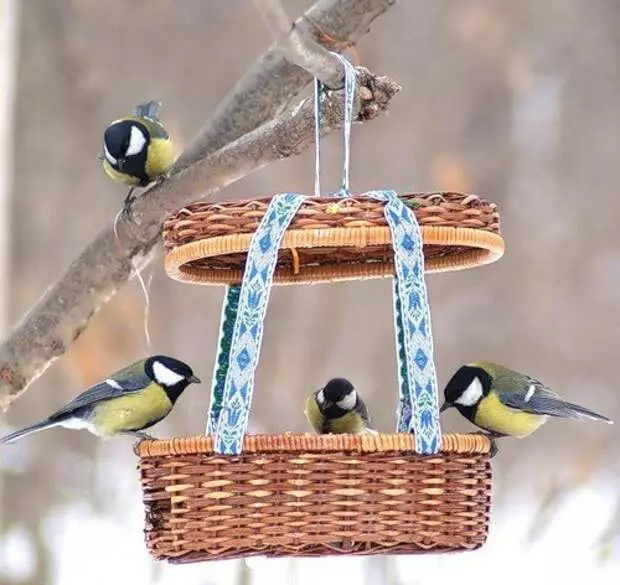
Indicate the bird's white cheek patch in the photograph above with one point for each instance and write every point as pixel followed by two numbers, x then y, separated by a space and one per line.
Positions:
pixel 165 376
pixel 320 397
pixel 348 402
pixel 472 394
pixel 136 142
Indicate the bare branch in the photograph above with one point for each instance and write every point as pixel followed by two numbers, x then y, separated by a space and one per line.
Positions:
pixel 272 82
pixel 299 49
pixel 65 310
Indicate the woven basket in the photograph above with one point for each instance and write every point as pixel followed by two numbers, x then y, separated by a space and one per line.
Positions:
pixel 307 495
pixel 329 239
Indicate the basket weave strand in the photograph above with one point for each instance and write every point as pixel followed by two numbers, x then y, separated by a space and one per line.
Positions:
pixel 306 495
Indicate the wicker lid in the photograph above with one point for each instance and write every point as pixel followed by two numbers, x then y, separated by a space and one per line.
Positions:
pixel 329 238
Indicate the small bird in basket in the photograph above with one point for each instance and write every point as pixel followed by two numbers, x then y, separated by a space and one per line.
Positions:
pixel 127 402
pixel 506 403
pixel 137 149
pixel 337 408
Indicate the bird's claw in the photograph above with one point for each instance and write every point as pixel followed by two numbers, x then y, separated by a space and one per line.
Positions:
pixel 492 439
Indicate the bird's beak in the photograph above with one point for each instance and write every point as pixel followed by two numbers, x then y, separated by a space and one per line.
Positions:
pixel 444 406
pixel 195 380
pixel 120 163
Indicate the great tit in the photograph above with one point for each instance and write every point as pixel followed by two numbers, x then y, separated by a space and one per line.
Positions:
pixel 337 408
pixel 131 400
pixel 137 149
pixel 506 403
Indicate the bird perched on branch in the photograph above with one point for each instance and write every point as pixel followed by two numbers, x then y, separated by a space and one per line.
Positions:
pixel 337 408
pixel 127 402
pixel 137 149
pixel 506 403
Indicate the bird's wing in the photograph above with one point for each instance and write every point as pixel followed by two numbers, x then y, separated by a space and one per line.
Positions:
pixel 536 398
pixel 126 381
pixel 363 411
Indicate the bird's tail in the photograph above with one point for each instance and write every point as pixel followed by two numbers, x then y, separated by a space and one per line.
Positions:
pixel 581 412
pixel 35 428
pixel 148 110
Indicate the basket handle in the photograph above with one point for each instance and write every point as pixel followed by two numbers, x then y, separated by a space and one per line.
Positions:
pixel 418 409
pixel 247 332
pixel 350 80
pixel 230 308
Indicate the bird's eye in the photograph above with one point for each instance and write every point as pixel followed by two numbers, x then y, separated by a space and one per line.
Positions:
pixel 136 142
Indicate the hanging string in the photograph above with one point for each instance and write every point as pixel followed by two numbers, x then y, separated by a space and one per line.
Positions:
pixel 318 91
pixel 350 80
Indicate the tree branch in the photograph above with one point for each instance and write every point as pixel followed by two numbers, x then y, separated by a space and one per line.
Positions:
pixel 298 48
pixel 65 310
pixel 272 82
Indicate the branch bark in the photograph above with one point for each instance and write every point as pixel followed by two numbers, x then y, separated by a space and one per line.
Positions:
pixel 272 82
pixel 298 48
pixel 64 311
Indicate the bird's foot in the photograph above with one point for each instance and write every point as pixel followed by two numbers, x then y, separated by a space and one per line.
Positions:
pixel 140 434
pixel 492 439
pixel 141 437
pixel 127 202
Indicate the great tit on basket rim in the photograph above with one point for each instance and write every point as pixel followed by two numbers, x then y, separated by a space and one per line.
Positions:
pixel 337 408
pixel 505 403
pixel 127 402
pixel 137 149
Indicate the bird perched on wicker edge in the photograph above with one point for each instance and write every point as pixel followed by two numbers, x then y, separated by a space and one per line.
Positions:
pixel 506 403
pixel 128 402
pixel 137 149
pixel 337 408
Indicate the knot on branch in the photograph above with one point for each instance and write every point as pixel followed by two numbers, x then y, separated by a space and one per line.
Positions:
pixel 372 97
pixel 374 94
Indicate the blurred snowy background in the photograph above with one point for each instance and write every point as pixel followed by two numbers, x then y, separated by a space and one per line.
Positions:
pixel 515 101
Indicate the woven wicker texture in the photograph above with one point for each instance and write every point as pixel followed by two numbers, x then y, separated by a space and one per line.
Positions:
pixel 330 238
pixel 307 495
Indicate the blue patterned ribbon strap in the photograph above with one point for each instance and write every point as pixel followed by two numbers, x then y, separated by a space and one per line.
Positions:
pixel 248 330
pixel 227 324
pixel 412 316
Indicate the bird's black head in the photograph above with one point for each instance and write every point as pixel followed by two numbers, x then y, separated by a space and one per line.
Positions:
pixel 171 374
pixel 337 397
pixel 125 145
pixel 465 390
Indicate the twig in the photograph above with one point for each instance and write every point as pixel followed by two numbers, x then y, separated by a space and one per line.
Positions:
pixel 64 311
pixel 272 82
pixel 298 48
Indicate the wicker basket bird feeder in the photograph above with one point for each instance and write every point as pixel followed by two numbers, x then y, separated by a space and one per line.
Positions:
pixel 229 494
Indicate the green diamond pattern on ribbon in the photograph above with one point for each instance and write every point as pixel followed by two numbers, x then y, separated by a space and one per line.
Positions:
pixel 418 384
pixel 248 328
pixel 229 315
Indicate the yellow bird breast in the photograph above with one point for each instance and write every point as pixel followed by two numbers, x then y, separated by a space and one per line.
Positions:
pixel 492 415
pixel 131 412
pixel 159 157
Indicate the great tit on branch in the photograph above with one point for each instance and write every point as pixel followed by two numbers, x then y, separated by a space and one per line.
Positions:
pixel 506 403
pixel 127 402
pixel 337 408
pixel 137 149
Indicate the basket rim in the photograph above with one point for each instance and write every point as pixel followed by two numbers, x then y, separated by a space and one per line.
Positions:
pixel 486 248
pixel 271 443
